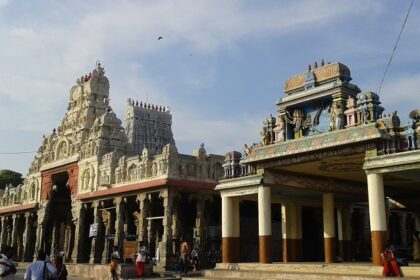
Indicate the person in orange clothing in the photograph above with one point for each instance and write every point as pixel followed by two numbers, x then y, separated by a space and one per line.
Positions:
pixel 391 268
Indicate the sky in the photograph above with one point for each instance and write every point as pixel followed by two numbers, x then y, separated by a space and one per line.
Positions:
pixel 220 66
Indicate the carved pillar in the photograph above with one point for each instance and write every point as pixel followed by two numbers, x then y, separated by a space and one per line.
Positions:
pixel 3 235
pixel 165 247
pixel 78 211
pixel 106 220
pixel 96 217
pixel 291 216
pixel 141 217
pixel 15 230
pixel 54 240
pixel 67 241
pixel 119 222
pixel 329 227
pixel 230 229
pixel 40 232
pixel 200 223
pixel 377 214
pixel 9 231
pixel 26 254
pixel 175 228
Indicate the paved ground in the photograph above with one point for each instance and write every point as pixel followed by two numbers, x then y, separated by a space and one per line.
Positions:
pixel 21 272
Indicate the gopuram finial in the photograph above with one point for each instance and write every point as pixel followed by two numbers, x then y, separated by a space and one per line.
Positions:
pixel 322 62
pixel 309 68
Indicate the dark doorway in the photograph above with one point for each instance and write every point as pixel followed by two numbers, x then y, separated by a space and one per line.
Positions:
pixel 248 231
pixel 312 234
pixel 59 217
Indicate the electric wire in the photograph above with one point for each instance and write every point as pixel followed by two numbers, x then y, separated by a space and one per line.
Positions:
pixel 395 47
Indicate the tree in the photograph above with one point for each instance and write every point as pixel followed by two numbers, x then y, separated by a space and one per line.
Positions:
pixel 10 177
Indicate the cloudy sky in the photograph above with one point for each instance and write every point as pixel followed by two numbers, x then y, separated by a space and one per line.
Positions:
pixel 220 66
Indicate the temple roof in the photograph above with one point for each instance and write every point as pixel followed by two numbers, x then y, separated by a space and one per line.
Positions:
pixel 323 74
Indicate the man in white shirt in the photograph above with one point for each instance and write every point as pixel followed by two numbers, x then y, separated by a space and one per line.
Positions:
pixel 41 268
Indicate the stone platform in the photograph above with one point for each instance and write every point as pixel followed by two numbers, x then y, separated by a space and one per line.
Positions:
pixel 302 271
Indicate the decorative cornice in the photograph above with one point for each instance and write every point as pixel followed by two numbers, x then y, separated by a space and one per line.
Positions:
pixel 325 140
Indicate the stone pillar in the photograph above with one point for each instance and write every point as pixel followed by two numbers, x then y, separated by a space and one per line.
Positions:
pixel 26 254
pixel 106 219
pixel 40 230
pixel 291 216
pixel 166 242
pixel 344 233
pixel 9 231
pixel 67 242
pixel 200 224
pixel 15 231
pixel 329 227
pixel 78 212
pixel 377 215
pixel 230 229
pixel 96 217
pixel 119 222
pixel 264 224
pixel 3 234
pixel 416 239
pixel 141 217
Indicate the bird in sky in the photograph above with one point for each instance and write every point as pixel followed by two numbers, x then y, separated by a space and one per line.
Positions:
pixel 160 38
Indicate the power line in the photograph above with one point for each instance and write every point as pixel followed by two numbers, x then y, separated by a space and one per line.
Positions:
pixel 17 153
pixel 395 47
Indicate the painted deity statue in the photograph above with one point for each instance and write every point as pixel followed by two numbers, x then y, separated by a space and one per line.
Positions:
pixel 300 121
pixel 336 117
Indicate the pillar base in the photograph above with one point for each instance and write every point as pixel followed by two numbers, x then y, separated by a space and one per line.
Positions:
pixel 378 239
pixel 265 249
pixel 230 249
pixel 292 250
pixel 329 249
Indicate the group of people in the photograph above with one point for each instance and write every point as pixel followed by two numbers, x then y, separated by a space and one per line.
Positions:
pixel 41 269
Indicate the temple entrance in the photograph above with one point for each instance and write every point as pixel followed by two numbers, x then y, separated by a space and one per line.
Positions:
pixel 248 231
pixel 59 226
pixel 312 234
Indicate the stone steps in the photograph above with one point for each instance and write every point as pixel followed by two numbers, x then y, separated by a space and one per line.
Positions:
pixel 300 271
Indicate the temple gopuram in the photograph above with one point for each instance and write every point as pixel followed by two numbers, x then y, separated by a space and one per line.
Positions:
pixel 334 178
pixel 94 184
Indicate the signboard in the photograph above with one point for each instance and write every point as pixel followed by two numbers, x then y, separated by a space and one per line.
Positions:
pixel 93 230
pixel 130 249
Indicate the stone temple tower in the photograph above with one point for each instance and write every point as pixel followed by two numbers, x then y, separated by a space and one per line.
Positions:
pixel 148 126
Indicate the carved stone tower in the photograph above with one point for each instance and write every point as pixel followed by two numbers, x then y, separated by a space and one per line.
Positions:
pixel 148 126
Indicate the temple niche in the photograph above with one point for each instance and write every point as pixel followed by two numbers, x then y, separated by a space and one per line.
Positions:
pixel 128 182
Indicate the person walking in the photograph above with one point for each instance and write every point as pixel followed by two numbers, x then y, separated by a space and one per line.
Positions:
pixel 7 267
pixel 41 269
pixel 115 259
pixel 141 260
pixel 183 259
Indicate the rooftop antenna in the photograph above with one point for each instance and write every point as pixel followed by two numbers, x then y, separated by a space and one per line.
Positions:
pixel 395 47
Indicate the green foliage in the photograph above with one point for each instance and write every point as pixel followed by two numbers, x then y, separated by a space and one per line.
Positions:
pixel 10 177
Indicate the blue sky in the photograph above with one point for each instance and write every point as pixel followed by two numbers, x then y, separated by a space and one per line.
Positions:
pixel 220 66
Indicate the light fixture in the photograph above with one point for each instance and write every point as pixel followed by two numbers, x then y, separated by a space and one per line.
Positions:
pixel 54 187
